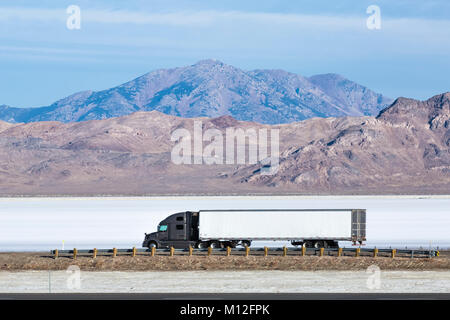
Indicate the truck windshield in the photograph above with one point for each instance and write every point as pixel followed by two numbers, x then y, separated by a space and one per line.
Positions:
pixel 162 228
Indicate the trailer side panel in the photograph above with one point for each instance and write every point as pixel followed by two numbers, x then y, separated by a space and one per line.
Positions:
pixel 275 224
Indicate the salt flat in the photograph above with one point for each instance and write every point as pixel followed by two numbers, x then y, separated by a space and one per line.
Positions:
pixel 31 224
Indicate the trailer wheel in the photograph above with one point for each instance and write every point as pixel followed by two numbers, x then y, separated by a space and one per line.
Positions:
pixel 246 243
pixel 319 244
pixel 230 244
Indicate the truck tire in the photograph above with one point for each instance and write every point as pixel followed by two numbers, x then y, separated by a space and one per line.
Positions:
pixel 215 244
pixel 153 244
pixel 203 245
pixel 319 244
pixel 230 244
pixel 246 243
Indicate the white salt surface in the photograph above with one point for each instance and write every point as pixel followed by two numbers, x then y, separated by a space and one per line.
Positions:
pixel 31 224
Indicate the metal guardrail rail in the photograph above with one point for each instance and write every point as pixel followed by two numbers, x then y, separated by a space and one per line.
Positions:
pixel 412 253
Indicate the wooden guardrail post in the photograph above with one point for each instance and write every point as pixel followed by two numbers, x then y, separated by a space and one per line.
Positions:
pixel 393 252
pixel 357 251
pixel 321 252
pixel 339 252
pixel 266 251
pixel 56 253
pixel 284 251
pixel 134 252
pixel 209 251
pixel 190 250
pixel 303 251
pixel 375 252
pixel 114 252
pixel 247 251
pixel 172 251
pixel 228 251
pixel 75 251
pixel 94 253
pixel 153 251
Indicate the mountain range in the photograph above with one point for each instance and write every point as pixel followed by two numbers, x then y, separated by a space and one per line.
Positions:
pixel 211 88
pixel 402 150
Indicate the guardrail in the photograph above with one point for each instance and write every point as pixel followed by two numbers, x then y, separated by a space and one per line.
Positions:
pixel 302 251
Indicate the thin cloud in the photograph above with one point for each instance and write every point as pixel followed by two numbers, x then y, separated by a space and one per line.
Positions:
pixel 182 18
pixel 209 18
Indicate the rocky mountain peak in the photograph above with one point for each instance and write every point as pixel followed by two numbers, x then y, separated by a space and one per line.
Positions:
pixel 441 101
pixel 211 88
pixel 209 62
pixel 410 110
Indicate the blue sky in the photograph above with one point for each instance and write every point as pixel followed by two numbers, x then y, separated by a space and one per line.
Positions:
pixel 42 61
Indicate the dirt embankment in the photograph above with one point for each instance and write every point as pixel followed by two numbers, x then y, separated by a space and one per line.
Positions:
pixel 43 261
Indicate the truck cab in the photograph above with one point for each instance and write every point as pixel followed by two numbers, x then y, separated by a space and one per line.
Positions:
pixel 179 230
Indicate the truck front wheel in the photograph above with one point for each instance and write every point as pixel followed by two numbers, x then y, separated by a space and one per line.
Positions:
pixel 153 244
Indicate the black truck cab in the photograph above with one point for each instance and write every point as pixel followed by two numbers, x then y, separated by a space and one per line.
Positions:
pixel 179 230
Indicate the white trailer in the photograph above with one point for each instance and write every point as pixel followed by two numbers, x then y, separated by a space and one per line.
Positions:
pixel 315 227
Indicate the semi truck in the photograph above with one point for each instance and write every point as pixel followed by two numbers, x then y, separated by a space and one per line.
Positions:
pixel 312 228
